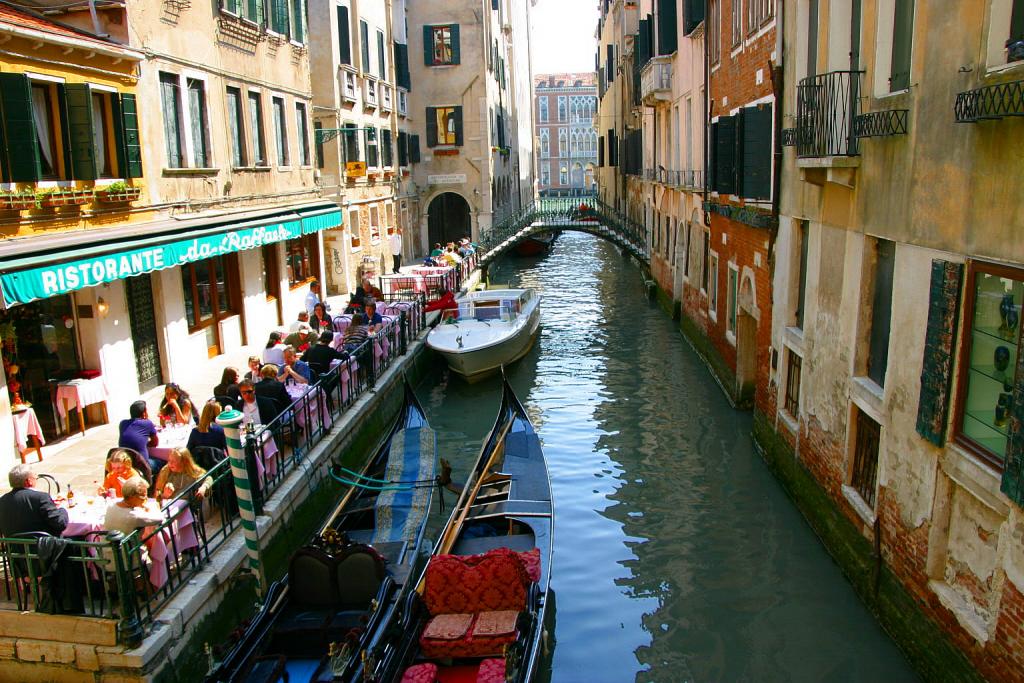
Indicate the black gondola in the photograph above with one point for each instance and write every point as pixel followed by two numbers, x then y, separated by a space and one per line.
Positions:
pixel 345 585
pixel 499 531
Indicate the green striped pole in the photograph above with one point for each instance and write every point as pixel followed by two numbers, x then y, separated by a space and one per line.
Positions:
pixel 231 420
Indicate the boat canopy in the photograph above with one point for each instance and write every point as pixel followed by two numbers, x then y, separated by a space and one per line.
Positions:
pixel 504 306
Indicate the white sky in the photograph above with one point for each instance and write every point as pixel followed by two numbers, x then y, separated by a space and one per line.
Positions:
pixel 563 35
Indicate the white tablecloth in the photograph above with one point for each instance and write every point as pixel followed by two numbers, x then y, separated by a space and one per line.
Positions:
pixel 26 423
pixel 170 438
pixel 80 392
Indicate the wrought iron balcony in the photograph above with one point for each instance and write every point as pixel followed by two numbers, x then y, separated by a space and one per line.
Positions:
pixel 990 102
pixel 826 106
pixel 877 124
pixel 685 180
pixel 656 81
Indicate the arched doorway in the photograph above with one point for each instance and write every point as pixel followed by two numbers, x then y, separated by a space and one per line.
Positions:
pixel 746 340
pixel 448 219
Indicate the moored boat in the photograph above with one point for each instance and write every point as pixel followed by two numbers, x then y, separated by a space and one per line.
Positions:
pixel 492 328
pixel 535 245
pixel 344 586
pixel 477 613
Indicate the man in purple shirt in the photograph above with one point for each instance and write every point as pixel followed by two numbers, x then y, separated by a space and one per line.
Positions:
pixel 138 433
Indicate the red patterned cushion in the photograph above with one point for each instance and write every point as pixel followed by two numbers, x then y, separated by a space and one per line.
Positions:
pixel 422 673
pixel 448 626
pixel 476 583
pixel 470 645
pixel 495 623
pixel 491 671
pixel 531 560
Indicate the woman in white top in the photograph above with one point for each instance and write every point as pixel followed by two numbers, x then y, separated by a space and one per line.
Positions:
pixel 273 353
pixel 130 513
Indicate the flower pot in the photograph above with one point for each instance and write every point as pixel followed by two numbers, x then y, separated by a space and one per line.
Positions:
pixel 355 242
pixel 55 200
pixel 122 196
pixel 17 202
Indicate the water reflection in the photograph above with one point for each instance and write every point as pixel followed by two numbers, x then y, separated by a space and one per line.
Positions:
pixel 677 556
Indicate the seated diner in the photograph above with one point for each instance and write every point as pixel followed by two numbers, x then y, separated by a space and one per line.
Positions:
pixel 176 407
pixel 180 473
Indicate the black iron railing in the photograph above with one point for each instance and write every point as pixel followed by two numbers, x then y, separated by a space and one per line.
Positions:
pixel 881 123
pixel 990 102
pixel 826 107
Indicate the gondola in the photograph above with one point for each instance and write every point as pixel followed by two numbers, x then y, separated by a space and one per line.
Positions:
pixel 477 613
pixel 346 583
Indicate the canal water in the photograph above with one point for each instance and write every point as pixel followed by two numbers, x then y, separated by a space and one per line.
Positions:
pixel 677 555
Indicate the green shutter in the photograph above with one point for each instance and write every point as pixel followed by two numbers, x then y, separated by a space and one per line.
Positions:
pixel 712 180
pixel 1017 21
pixel 1013 468
pixel 939 347
pixel 364 45
pixel 79 124
pixel 902 39
pixel 455 44
pixel 667 39
pixel 344 36
pixel 299 20
pixel 254 10
pixel 279 16
pixel 414 149
pixel 22 160
pixel 458 126
pixel 65 132
pixel 231 6
pixel 431 127
pixel 132 143
pixel 757 152
pixel 725 155
pixel 694 15
pixel 428 45
pixel 117 116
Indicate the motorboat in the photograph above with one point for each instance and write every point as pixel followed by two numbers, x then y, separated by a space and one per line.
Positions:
pixel 491 328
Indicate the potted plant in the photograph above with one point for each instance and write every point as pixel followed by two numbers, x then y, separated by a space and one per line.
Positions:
pixel 118 193
pixel 17 201
pixel 53 197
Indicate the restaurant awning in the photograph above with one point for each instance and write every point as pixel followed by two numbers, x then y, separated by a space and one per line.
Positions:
pixel 42 274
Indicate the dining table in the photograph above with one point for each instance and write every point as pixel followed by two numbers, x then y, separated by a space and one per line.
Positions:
pixel 78 393
pixel 170 437
pixel 26 425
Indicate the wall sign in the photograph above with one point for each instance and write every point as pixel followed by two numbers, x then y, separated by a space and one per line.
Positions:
pixel 446 179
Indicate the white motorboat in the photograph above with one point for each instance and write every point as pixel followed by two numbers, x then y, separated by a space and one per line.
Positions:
pixel 493 328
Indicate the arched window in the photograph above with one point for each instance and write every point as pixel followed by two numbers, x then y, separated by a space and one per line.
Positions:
pixel 545 142
pixel 542 104
pixel 563 142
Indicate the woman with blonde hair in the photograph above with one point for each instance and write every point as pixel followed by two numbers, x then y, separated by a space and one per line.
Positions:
pixel 180 473
pixel 119 470
pixel 208 432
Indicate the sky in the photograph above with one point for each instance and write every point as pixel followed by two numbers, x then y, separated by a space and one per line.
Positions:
pixel 563 35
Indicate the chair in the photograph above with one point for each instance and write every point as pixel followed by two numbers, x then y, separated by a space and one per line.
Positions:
pixel 222 494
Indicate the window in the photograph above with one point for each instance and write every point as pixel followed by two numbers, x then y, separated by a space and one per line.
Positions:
pixel 382 67
pixel 279 17
pixel 236 126
pixel 102 136
pixel 737 22
pixel 302 130
pixel 731 302
pixel 351 142
pixel 542 108
pixel 686 255
pixel 198 125
pixel 301 259
pixel 563 176
pixel 353 222
pixel 989 358
pixel 245 9
pixel 715 35
pixel 801 292
pixel 812 37
pixel 713 287
pixel 45 127
pixel 184 148
pixel 545 142
pixel 298 10
pixel 280 131
pixel 865 457
pixel 705 261
pixel 259 149
pixel 444 126
pixel 210 290
pixel 170 100
pixel 344 36
pixel 364 45
pixel 372 159
pixel 902 38
pixel 562 108
pixel 793 368
pixel 759 13
pixel 386 148
pixel 403 148
pixel 441 45
pixel 881 311
pixel 374 223
pixel 563 142
pixel 545 174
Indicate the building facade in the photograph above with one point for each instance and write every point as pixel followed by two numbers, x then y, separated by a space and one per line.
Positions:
pixel 566 137
pixel 471 109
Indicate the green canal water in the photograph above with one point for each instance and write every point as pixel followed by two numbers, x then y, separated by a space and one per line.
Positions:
pixel 677 555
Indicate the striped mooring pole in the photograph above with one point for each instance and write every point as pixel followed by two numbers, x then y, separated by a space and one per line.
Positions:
pixel 231 421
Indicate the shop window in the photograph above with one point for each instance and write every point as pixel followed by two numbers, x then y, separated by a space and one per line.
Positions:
pixel 236 125
pixel 794 367
pixel 865 457
pixel 994 298
pixel 441 45
pixel 280 131
pixel 207 295
pixel 259 146
pixel 302 259
pixel 302 130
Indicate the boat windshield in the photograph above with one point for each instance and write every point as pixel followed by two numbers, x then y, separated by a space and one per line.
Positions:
pixel 505 310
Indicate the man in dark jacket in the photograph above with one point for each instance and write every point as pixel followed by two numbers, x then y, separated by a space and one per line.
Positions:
pixel 270 387
pixel 256 409
pixel 24 509
pixel 319 356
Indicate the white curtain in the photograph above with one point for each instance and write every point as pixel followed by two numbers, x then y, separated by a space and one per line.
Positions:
pixel 42 118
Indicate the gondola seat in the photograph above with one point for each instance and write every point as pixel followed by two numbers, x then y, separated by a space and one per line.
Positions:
pixel 474 602
pixel 491 671
pixel 420 673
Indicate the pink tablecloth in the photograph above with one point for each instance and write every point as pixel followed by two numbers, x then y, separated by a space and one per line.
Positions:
pixel 80 392
pixel 312 407
pixel 25 424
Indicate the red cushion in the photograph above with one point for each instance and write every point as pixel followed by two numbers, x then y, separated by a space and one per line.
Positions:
pixel 421 673
pixel 470 645
pixel 491 671
pixel 476 583
pixel 448 626
pixel 498 623
pixel 531 560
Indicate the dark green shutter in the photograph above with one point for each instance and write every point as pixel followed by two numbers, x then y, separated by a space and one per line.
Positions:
pixel 344 36
pixel 694 15
pixel 431 127
pixel 600 150
pixel 428 45
pixel 414 149
pixel 22 160
pixel 381 62
pixel 254 11
pixel 403 148
pixel 1013 468
pixel 299 16
pixel 402 77
pixel 364 45
pixel 643 42
pixel 230 6
pixel 458 125
pixel 757 151
pixel 609 63
pixel 65 132
pixel 667 39
pixel 456 59
pixel 83 147
pixel 725 155
pixel 132 143
pixel 119 150
pixel 902 39
pixel 939 347
pixel 1017 21
pixel 711 181
pixel 279 16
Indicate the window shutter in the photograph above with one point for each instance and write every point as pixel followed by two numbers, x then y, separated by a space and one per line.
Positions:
pixel 694 15
pixel 65 130
pixel 83 150
pixel 364 45
pixel 711 180
pixel 132 143
pixel 939 348
pixel 382 67
pixel 231 6
pixel 610 63
pixel 403 148
pixel 667 42
pixel 456 58
pixel 299 19
pixel 414 149
pixel 279 16
pixel 22 160
pixel 902 37
pixel 1017 21
pixel 402 78
pixel 725 155
pixel 458 126
pixel 643 42
pixel 431 126
pixel 254 10
pixel 120 153
pixel 428 45
pixel 757 152
pixel 344 36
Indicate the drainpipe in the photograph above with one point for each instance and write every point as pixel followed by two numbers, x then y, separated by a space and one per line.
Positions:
pixel 707 115
pixel 778 89
pixel 96 20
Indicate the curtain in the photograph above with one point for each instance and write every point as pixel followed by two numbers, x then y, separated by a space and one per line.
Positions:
pixel 41 116
pixel 99 137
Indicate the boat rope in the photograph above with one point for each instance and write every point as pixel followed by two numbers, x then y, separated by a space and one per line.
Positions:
pixel 370 487
pixel 353 473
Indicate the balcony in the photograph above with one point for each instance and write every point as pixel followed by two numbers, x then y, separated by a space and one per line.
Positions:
pixel 349 90
pixel 683 180
pixel 385 97
pixel 826 108
pixel 656 81
pixel 403 102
